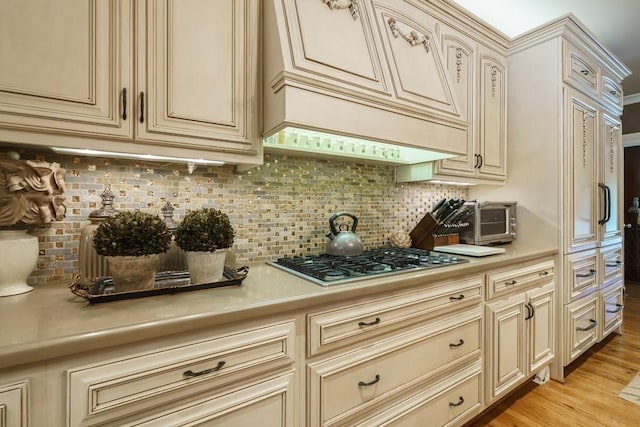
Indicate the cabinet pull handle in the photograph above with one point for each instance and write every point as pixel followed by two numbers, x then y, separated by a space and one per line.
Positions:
pixel 124 103
pixel 531 311
pixel 613 92
pixel 336 4
pixel 511 283
pixel 591 273
pixel 544 273
pixel 458 344
pixel 461 297
pixel 585 72
pixel 375 322
pixel 458 403
pixel 615 264
pixel 372 382
pixel 481 161
pixel 141 107
pixel 192 374
pixel 591 326
pixel 475 166
pixel 618 309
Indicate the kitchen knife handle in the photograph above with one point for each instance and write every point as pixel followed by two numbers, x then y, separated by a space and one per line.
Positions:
pixel 141 107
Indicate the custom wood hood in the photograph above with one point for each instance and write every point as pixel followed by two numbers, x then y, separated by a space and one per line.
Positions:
pixel 367 69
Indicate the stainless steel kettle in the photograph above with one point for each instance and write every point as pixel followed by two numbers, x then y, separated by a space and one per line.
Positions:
pixel 343 242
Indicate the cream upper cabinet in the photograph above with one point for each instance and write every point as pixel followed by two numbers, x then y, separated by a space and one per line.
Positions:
pixel 197 74
pixel 611 179
pixel 66 67
pixel 581 172
pixel 418 68
pixel 334 41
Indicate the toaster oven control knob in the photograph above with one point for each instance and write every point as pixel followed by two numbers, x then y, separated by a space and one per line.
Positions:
pixel 512 226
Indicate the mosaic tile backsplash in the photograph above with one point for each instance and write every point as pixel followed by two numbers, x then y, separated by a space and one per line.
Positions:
pixel 277 209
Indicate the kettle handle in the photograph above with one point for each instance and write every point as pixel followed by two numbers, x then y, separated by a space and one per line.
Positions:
pixel 333 218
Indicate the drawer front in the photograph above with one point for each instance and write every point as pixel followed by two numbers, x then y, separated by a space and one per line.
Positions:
pixel 611 265
pixel 14 404
pixel 521 278
pixel 581 274
pixel 580 70
pixel 612 306
pixel 450 402
pixel 119 387
pixel 347 324
pixel 342 386
pixel 612 92
pixel 582 326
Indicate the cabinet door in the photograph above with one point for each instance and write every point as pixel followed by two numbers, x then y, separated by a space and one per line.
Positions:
pixel 492 148
pixel 611 177
pixel 197 74
pixel 581 185
pixel 268 404
pixel 66 66
pixel 540 326
pixel 418 69
pixel 14 405
pixel 460 57
pixel 506 345
pixel 334 40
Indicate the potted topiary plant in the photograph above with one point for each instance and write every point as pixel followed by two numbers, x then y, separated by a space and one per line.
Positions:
pixel 205 234
pixel 131 241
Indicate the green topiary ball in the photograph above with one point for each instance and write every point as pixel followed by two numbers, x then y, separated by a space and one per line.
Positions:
pixel 204 230
pixel 132 233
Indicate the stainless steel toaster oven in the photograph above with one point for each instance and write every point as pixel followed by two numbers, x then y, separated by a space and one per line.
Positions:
pixel 491 223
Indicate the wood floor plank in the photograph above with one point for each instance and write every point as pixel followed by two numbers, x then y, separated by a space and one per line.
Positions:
pixel 589 398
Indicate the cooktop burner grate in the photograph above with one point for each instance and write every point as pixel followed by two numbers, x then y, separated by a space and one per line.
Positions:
pixel 327 269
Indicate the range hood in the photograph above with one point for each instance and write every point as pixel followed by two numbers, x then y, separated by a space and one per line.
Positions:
pixel 348 70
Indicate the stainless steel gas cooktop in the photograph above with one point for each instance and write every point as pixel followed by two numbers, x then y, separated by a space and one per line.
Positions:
pixel 328 270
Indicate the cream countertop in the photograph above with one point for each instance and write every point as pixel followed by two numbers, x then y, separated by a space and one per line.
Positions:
pixel 50 321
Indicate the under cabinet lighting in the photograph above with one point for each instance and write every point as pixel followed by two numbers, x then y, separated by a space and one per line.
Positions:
pixel 151 157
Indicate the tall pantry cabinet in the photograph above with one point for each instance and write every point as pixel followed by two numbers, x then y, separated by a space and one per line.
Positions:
pixel 565 171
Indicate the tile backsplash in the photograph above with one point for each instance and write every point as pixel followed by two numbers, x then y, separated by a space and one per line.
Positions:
pixel 279 208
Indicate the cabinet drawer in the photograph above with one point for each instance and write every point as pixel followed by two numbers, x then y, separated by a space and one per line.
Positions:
pixel 346 324
pixel 612 92
pixel 581 274
pixel 579 69
pixel 519 279
pixel 118 387
pixel 582 326
pixel 450 402
pixel 611 265
pixel 342 386
pixel 612 305
pixel 14 404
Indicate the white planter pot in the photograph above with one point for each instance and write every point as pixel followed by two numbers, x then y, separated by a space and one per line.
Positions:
pixel 18 258
pixel 206 267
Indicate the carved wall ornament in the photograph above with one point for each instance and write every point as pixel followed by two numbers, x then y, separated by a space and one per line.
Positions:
pixel 612 148
pixel 339 4
pixel 458 63
pixel 31 192
pixel 584 139
pixel 494 80
pixel 413 37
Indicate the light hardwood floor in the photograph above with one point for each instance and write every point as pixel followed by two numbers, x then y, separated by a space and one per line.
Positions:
pixel 589 397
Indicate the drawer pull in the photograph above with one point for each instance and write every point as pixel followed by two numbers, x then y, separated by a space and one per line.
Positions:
pixel 458 403
pixel 374 381
pixel 615 264
pixel 613 92
pixel 591 326
pixel 192 374
pixel 618 309
pixel 124 103
pixel 141 107
pixel 511 283
pixel 585 72
pixel 591 273
pixel 461 297
pixel 544 273
pixel 375 322
pixel 458 344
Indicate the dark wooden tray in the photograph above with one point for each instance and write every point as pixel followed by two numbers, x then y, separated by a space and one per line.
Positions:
pixel 167 282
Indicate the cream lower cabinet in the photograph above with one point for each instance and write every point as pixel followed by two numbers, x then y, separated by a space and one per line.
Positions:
pixel 241 379
pixel 14 404
pixel 23 396
pixel 519 327
pixel 365 379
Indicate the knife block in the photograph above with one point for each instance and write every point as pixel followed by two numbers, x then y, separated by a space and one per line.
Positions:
pixel 423 237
